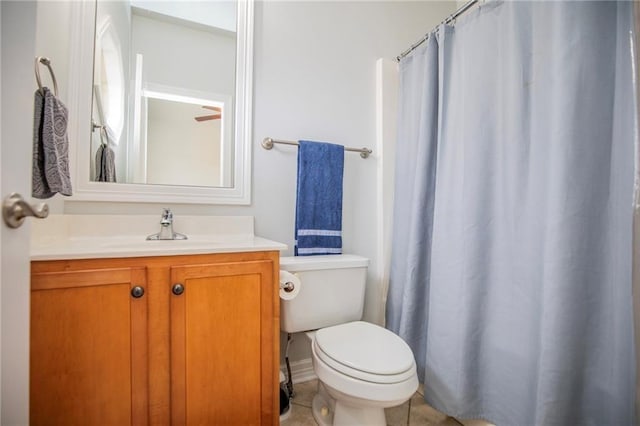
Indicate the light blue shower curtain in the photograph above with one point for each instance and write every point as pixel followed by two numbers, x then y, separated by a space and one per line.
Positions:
pixel 511 262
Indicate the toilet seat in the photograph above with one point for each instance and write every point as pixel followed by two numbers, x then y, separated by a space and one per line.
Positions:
pixel 366 352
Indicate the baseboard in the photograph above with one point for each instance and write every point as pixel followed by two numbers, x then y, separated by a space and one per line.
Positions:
pixel 301 371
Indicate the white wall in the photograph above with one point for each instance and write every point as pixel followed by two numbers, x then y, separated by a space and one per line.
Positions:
pixel 181 150
pixel 184 57
pixel 219 14
pixel 314 77
pixel 54 44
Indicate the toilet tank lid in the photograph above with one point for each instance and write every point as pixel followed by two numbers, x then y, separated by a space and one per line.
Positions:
pixel 314 263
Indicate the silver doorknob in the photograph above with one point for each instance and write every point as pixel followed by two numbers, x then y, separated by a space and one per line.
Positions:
pixel 15 209
pixel 177 289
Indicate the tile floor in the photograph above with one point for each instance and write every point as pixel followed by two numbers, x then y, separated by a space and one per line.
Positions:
pixel 412 413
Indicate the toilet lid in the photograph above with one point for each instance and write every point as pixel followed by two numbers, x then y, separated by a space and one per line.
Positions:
pixel 367 351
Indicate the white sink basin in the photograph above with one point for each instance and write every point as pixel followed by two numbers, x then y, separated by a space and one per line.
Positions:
pixel 77 237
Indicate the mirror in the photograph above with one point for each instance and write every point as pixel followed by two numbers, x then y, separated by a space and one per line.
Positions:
pixel 170 102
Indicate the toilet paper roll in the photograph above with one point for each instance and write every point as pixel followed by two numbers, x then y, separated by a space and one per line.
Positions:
pixel 289 285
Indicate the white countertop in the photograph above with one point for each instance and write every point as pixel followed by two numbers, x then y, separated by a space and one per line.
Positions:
pixel 61 237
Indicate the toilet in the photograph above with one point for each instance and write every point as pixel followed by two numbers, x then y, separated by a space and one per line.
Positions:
pixel 362 368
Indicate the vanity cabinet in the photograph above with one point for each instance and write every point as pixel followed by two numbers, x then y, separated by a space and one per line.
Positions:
pixel 88 347
pixel 200 346
pixel 221 317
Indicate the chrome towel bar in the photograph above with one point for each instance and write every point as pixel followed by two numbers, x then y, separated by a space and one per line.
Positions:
pixel 267 143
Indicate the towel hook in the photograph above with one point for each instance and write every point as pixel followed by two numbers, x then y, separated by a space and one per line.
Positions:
pixel 47 62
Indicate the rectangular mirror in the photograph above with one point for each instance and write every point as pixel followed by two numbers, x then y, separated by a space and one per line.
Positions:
pixel 170 97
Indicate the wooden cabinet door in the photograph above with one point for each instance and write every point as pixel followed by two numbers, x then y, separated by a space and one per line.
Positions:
pixel 88 348
pixel 222 344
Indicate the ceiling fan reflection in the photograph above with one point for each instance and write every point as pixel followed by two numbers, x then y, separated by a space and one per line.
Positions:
pixel 215 116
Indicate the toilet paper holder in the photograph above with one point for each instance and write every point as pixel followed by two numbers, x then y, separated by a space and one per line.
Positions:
pixel 287 286
pixel 290 285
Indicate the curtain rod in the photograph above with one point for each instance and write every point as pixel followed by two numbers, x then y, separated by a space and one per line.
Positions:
pixel 267 143
pixel 451 17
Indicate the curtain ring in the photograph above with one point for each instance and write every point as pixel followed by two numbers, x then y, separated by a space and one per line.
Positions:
pixel 47 62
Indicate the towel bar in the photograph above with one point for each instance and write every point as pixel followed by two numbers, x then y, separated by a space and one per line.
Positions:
pixel 47 62
pixel 267 143
pixel 95 126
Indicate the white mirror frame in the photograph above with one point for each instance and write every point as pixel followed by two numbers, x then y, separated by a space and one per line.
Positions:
pixel 79 129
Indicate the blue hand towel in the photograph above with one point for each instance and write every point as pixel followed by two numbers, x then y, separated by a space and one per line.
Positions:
pixel 319 199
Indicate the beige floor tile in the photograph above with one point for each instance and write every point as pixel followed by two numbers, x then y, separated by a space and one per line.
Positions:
pixel 421 389
pixel 415 412
pixel 450 421
pixel 423 414
pixel 305 392
pixel 398 416
pixel 475 422
pixel 300 416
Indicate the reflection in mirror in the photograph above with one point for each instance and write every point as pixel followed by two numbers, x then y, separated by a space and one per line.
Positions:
pixel 163 93
pixel 182 128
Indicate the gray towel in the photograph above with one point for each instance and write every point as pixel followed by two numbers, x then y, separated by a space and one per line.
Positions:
pixel 105 164
pixel 50 147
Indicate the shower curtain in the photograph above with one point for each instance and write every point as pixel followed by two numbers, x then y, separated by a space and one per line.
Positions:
pixel 511 262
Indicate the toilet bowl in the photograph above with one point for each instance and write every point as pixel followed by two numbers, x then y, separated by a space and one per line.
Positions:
pixel 363 369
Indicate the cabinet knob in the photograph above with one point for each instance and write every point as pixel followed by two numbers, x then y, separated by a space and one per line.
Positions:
pixel 137 292
pixel 177 289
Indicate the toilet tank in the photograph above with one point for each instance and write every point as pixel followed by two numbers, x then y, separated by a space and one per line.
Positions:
pixel 331 291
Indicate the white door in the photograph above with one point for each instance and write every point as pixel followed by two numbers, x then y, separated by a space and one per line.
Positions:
pixel 18 30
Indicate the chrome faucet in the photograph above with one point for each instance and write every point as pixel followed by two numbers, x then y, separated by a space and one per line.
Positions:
pixel 166 228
